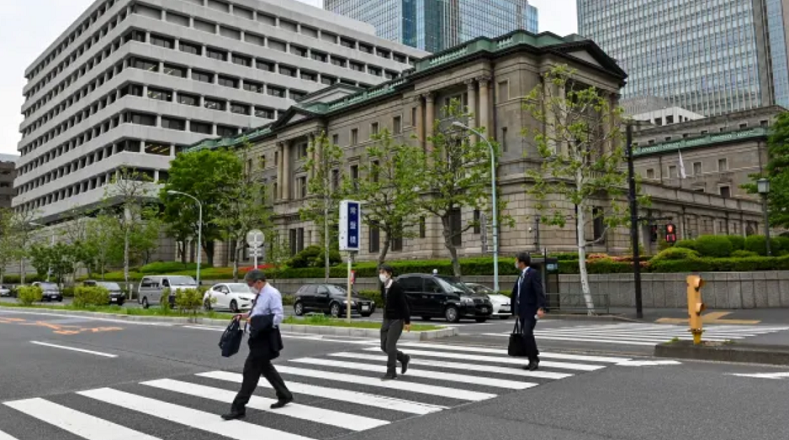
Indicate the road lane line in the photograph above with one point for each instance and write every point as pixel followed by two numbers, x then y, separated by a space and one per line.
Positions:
pixel 192 418
pixel 88 317
pixel 318 415
pixel 4 436
pixel 433 390
pixel 339 394
pixel 763 375
pixel 498 351
pixel 76 422
pixel 425 374
pixel 63 347
pixel 501 360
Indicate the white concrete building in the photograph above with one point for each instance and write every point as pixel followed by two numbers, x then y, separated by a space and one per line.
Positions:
pixel 132 82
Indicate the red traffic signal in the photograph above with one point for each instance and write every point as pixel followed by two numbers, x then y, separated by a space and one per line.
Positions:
pixel 671 233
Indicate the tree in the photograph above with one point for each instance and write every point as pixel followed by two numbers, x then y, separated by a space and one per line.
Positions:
pixel 203 174
pixel 23 232
pixel 389 190
pixel 100 232
pixel 582 159
pixel 457 177
pixel 9 240
pixel 60 259
pixel 75 232
pixel 278 252
pixel 243 207
pixel 776 172
pixel 325 190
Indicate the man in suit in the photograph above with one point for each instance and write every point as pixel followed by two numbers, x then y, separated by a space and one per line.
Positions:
pixel 528 301
pixel 265 343
pixel 397 316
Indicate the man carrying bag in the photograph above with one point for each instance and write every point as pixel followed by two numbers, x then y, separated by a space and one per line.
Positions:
pixel 230 342
pixel 528 301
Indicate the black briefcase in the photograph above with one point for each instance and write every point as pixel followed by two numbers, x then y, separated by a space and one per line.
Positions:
pixel 230 342
pixel 517 347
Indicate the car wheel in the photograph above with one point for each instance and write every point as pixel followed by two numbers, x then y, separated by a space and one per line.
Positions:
pixel 60 300
pixel 451 314
pixel 234 306
pixel 145 304
pixel 298 308
pixel 505 317
pixel 120 303
pixel 335 310
pixel 481 320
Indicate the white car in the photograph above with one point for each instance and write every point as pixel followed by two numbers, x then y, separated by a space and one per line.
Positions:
pixel 501 303
pixel 229 296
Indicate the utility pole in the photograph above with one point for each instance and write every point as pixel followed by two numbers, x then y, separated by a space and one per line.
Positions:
pixel 634 221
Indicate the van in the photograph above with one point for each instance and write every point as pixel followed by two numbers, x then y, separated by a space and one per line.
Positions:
pixel 152 288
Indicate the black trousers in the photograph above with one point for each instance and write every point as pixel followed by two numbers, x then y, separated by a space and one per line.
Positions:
pixel 528 324
pixel 258 365
pixel 391 329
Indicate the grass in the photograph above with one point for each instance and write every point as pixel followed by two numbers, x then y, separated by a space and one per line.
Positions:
pixel 319 320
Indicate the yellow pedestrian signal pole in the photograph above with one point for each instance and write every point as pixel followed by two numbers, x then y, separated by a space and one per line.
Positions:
pixel 695 307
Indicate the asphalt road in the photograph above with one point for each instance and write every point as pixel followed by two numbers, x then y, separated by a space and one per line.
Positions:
pixel 144 382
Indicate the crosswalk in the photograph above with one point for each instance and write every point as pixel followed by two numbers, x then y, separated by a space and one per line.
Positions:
pixel 784 375
pixel 645 334
pixel 335 394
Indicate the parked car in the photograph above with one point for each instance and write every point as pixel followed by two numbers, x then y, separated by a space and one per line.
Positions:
pixel 501 303
pixel 331 299
pixel 233 296
pixel 5 291
pixel 431 296
pixel 152 288
pixel 116 293
pixel 51 291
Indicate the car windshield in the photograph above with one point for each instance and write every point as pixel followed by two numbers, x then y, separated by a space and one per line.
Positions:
pixel 109 286
pixel 238 288
pixel 336 290
pixel 49 286
pixel 182 281
pixel 454 286
pixel 479 288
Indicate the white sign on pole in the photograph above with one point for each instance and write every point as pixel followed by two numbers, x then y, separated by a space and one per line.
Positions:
pixel 350 225
pixel 255 239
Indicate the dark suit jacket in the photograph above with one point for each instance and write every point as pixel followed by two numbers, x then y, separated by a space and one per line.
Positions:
pixel 396 303
pixel 265 340
pixel 531 295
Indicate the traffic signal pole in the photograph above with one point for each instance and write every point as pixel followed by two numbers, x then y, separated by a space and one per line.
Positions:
pixel 634 222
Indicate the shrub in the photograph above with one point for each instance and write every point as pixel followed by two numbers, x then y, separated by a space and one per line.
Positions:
pixel 187 300
pixel 334 258
pixel 169 267
pixel 68 292
pixel 716 246
pixel 27 295
pixel 91 296
pixel 374 295
pixel 306 257
pixel 756 243
pixel 565 256
pixel 737 242
pixel 164 304
pixel 288 300
pixel 780 245
pixel 675 253
pixel 687 244
pixel 743 253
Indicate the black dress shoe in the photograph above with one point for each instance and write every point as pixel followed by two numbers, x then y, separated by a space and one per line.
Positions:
pixel 532 366
pixel 389 376
pixel 281 403
pixel 404 364
pixel 234 415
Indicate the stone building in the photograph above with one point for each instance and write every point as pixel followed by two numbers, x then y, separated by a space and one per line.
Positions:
pixel 7 174
pixel 491 77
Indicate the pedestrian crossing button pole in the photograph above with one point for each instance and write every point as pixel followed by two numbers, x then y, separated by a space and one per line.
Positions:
pixel 695 307
pixel 350 240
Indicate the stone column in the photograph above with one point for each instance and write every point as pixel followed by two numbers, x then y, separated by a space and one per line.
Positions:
pixel 430 119
pixel 420 122
pixel 472 107
pixel 484 105
pixel 280 170
pixel 286 177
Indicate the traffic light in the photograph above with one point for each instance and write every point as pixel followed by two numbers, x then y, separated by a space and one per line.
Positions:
pixel 653 229
pixel 671 233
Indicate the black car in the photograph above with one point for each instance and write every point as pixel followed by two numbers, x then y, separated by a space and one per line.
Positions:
pixel 331 299
pixel 431 296
pixel 51 291
pixel 116 293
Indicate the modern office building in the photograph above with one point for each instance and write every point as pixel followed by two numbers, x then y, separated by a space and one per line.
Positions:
pixel 7 175
pixel 708 56
pixel 435 25
pixel 131 82
pixel 657 111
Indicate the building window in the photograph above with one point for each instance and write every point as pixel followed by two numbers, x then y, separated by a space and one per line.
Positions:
pixel 355 176
pixel 298 50
pixel 422 227
pixel 672 171
pixel 241 109
pixel 504 92
pixel 397 125
pixel 157 149
pixel 297 95
pixel 165 42
pixel 161 95
pixel 228 81
pixel 357 66
pixel 287 70
pixel 328 80
pixel 456 227
pixel 268 66
pixel 375 237
pixel 190 48
pixel 174 124
pixel 374 128
pixel 413 116
pixel 302 182
pixel 143 119
pixel 242 60
pixel 340 62
pixel 200 127
pixel 265 113
pixel 725 192
pixel 302 149
pixel 354 136
pixel 744 125
pixel 504 147
pixel 319 56
pixel 335 179
pixel 253 86
pixel 764 123
pixel 175 71
pixel 216 54
pixel 276 91
pixel 205 77
pixel 723 165
pixel 186 99
pixel 309 76
pixel 225 131
pixel 397 243
pixel 697 169
pixel 477 222
pixel 598 223
pixel 650 173
pixel 215 104
pixel 139 63
pixel 372 70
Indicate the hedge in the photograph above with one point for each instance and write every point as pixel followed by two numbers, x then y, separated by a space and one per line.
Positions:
pixel 166 267
pixel 717 246
pixel 676 253
pixel 721 265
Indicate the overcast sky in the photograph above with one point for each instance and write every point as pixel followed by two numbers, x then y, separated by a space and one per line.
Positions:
pixel 29 26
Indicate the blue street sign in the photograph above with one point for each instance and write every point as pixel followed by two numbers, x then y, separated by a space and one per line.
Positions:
pixel 350 225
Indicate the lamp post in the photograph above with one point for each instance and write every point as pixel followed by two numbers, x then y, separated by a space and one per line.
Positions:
pixel 495 206
pixel 763 186
pixel 631 179
pixel 51 244
pixel 199 226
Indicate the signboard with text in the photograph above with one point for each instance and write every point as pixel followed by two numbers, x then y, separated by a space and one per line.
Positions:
pixel 350 225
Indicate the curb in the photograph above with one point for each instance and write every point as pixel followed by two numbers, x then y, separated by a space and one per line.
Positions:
pixel 739 353
pixel 428 335
pixel 579 317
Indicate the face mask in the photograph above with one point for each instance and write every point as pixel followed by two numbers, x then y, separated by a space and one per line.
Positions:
pixel 383 277
pixel 516 266
pixel 255 289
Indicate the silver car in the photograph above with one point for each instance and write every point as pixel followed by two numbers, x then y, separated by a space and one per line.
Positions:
pixel 152 288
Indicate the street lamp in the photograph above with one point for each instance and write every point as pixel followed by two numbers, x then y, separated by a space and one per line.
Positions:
pixel 51 244
pixel 199 226
pixel 763 186
pixel 495 206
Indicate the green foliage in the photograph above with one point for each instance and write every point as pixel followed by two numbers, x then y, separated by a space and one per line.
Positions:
pixel 687 244
pixel 737 242
pixel 756 243
pixel 743 254
pixel 27 295
pixel 721 265
pixel 68 292
pixel 334 257
pixel 9 240
pixel 675 253
pixel 188 301
pixel 777 172
pixel 168 267
pixel 305 258
pixel 164 304
pixel 287 300
pixel 60 258
pixel 277 253
pixel 780 245
pixel 91 296
pixel 565 256
pixel 717 246
pixel 374 295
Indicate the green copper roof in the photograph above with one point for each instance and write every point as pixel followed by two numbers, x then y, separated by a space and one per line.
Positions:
pixel 702 141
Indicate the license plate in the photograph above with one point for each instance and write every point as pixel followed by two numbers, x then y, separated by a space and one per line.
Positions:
pixel 53 296
pixel 505 308
pixel 484 310
pixel 365 308
pixel 114 299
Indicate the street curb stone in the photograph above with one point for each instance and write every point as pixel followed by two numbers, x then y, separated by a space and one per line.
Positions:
pixel 741 353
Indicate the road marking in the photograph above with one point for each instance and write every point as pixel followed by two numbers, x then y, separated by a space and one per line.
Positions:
pixel 433 390
pixel 462 366
pixel 78 423
pixel 63 347
pixel 763 375
pixel 89 318
pixel 470 349
pixel 502 360
pixel 318 415
pixel 192 418
pixel 711 318
pixel 635 363
pixel 435 375
pixel 339 394
pixel 4 436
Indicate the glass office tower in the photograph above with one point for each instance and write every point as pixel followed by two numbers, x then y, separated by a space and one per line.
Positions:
pixel 708 56
pixel 434 25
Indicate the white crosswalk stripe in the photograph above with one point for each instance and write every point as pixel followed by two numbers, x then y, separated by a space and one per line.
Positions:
pixel 780 376
pixel 335 394
pixel 645 334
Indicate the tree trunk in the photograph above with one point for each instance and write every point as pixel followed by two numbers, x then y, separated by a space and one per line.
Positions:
pixel 126 261
pixel 326 239
pixel 453 252
pixel 236 256
pixel 208 247
pixel 102 267
pixel 182 246
pixel 22 271
pixel 384 251
pixel 582 262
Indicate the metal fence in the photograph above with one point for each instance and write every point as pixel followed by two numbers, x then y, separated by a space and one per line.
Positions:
pixel 576 303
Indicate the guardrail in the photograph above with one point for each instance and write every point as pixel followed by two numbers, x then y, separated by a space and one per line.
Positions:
pixel 576 302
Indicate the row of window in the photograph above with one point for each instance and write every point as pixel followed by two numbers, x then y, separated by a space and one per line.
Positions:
pixel 723 166
pixel 741 126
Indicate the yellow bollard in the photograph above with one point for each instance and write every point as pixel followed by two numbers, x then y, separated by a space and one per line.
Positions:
pixel 695 306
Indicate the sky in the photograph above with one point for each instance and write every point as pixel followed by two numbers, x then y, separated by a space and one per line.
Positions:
pixel 30 26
